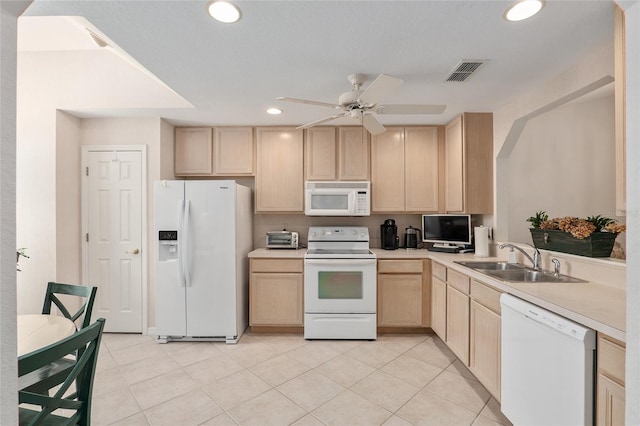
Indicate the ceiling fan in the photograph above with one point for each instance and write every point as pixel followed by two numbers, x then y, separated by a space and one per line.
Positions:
pixel 363 104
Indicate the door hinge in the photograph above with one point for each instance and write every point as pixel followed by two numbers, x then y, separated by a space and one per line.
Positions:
pixel 87 237
pixel 86 170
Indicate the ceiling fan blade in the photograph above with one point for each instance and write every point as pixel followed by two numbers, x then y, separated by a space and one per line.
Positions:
pixel 382 85
pixel 323 120
pixel 304 101
pixel 372 125
pixel 410 109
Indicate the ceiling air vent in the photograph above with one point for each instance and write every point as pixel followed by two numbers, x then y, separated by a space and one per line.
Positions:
pixel 464 69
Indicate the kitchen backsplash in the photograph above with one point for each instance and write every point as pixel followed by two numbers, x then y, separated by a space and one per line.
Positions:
pixel 300 223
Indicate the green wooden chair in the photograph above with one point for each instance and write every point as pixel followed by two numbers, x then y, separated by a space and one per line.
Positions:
pixel 84 313
pixel 36 366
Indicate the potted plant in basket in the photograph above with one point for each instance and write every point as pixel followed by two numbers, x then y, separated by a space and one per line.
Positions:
pixel 592 237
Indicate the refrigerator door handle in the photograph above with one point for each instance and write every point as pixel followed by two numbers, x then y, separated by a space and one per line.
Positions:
pixel 186 261
pixel 182 245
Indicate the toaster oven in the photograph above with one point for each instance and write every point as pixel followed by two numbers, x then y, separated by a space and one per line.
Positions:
pixel 282 240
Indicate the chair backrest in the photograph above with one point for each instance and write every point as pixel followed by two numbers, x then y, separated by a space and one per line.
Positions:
pixel 88 293
pixel 86 343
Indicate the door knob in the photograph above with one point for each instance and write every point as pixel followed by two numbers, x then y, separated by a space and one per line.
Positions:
pixel 134 251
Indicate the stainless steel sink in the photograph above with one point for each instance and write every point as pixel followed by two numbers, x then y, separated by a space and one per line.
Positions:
pixel 491 266
pixel 530 275
pixel 516 273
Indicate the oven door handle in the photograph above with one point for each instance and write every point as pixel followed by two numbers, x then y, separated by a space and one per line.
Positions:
pixel 341 262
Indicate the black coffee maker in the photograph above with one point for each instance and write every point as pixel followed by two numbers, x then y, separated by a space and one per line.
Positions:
pixel 389 235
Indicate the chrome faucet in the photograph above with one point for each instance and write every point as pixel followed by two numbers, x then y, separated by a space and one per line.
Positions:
pixel 556 267
pixel 536 260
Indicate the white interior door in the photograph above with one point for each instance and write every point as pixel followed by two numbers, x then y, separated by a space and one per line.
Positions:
pixel 113 232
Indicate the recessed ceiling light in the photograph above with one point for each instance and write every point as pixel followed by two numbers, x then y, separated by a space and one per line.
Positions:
pixel 224 11
pixel 274 111
pixel 523 9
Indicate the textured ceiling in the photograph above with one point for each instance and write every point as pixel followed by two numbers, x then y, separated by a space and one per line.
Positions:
pixel 231 73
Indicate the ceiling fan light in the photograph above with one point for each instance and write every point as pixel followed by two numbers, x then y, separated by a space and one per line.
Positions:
pixel 274 111
pixel 224 11
pixel 523 9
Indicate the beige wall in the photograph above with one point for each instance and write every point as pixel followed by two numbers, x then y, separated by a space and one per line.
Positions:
pixel 48 151
pixel 68 175
pixel 133 131
pixel 563 163
pixel 591 72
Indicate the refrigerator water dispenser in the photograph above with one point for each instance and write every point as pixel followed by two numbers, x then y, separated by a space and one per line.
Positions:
pixel 168 245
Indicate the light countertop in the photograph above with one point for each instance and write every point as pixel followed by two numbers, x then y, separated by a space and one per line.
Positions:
pixel 278 253
pixel 592 304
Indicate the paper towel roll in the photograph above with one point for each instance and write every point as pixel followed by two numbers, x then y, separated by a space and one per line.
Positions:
pixel 481 234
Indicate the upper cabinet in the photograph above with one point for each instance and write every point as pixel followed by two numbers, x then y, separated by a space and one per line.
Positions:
pixel 221 151
pixel 193 151
pixel 340 153
pixel 279 170
pixel 620 112
pixel 233 151
pixel 353 153
pixel 320 153
pixel 468 184
pixel 405 170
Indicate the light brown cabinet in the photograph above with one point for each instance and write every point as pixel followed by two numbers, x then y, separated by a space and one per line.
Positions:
pixel 468 183
pixel 276 293
pixel 279 170
pixel 439 300
pixel 484 336
pixel 219 151
pixel 610 382
pixel 404 293
pixel 620 110
pixel 353 153
pixel 458 315
pixel 193 150
pixel 405 170
pixel 336 153
pixel 320 153
pixel 233 151
pixel 466 315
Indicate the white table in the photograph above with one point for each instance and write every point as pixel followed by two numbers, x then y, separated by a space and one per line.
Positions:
pixel 37 331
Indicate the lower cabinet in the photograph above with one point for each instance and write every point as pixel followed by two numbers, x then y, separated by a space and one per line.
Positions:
pixel 465 314
pixel 484 336
pixel 404 293
pixel 439 300
pixel 276 293
pixel 458 315
pixel 610 390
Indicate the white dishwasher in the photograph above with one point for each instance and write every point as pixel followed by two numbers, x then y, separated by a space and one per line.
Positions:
pixel 547 366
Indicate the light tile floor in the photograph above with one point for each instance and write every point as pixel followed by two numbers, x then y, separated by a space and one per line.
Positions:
pixel 286 380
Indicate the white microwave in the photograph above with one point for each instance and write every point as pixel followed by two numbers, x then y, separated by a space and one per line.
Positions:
pixel 337 198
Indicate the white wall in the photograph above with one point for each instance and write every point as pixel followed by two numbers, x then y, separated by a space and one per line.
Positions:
pixel 563 163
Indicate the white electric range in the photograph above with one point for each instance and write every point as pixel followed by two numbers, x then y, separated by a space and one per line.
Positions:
pixel 339 284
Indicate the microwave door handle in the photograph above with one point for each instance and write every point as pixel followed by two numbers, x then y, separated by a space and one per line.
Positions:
pixel 352 202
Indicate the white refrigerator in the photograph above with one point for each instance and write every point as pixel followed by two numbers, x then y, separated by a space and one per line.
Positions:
pixel 203 234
